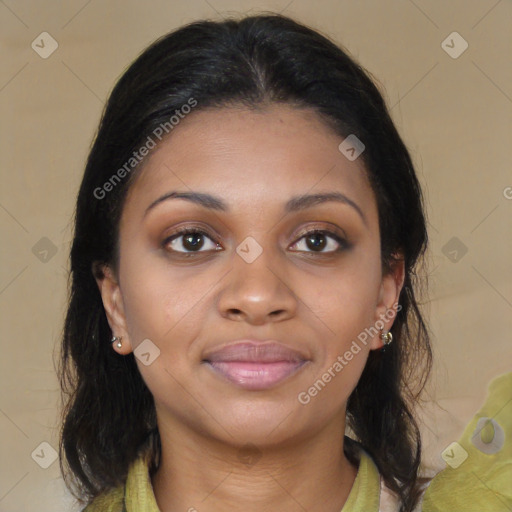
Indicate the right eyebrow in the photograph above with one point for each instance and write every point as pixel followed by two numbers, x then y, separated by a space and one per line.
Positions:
pixel 206 200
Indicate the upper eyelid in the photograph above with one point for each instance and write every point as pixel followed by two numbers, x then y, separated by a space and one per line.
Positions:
pixel 332 233
pixel 312 226
pixel 334 230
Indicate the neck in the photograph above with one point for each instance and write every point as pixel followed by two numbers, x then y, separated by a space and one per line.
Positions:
pixel 203 474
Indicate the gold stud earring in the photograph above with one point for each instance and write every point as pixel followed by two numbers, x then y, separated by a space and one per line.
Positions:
pixel 386 337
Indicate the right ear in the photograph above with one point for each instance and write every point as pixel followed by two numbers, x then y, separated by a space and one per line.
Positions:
pixel 113 303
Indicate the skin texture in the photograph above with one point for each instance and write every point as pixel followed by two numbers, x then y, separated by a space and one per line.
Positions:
pixel 316 301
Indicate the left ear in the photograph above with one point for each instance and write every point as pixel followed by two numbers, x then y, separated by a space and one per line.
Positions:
pixel 390 288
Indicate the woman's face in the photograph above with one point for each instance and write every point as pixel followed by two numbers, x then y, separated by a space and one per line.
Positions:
pixel 248 270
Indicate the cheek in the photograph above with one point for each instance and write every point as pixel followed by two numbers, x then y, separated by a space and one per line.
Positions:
pixel 161 302
pixel 344 307
pixel 167 308
pixel 342 300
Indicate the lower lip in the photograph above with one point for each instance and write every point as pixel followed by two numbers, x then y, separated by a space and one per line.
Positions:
pixel 255 376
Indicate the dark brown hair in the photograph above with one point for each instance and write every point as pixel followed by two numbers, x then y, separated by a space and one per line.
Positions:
pixel 252 61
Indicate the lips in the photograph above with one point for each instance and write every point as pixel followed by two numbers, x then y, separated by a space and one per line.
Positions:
pixel 255 352
pixel 255 365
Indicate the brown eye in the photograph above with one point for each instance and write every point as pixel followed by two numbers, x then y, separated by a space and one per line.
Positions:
pixel 190 240
pixel 318 240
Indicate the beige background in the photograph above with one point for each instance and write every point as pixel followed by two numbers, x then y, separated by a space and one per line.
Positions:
pixel 454 114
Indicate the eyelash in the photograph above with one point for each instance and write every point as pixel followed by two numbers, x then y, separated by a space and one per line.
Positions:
pixel 343 244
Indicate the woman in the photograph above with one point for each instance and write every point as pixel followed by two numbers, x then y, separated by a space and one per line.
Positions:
pixel 243 284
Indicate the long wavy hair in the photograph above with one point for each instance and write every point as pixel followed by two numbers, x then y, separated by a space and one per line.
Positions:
pixel 253 61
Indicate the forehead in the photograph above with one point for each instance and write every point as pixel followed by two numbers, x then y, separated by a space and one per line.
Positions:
pixel 251 157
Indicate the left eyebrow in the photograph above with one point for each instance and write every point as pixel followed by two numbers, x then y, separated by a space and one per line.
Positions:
pixel 294 204
pixel 308 200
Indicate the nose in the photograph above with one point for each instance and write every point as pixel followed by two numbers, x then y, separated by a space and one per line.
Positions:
pixel 256 292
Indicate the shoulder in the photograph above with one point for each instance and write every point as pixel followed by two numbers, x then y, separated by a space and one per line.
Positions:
pixel 380 498
pixel 389 501
pixel 136 494
pixel 109 501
